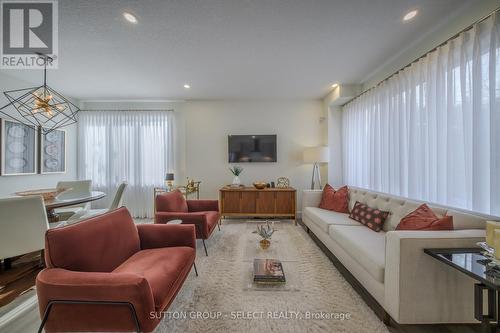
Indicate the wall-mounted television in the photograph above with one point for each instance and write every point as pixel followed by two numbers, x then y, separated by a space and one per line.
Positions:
pixel 252 148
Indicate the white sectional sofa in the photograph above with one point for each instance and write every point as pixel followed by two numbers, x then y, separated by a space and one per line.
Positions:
pixel 412 287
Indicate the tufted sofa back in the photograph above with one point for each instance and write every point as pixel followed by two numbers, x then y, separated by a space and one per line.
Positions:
pixel 400 207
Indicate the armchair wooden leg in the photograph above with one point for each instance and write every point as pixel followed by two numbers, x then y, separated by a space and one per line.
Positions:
pixel 195 270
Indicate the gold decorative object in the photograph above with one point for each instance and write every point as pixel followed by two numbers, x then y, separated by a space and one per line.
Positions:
pixel 265 231
pixel 283 182
pixel 260 185
pixel 264 244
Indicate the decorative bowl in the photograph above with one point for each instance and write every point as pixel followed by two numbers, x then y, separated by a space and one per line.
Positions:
pixel 47 194
pixel 260 185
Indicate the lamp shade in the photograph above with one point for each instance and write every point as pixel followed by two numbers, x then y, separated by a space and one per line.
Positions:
pixel 169 176
pixel 316 155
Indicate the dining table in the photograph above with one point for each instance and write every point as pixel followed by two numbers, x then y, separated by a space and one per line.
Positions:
pixel 68 200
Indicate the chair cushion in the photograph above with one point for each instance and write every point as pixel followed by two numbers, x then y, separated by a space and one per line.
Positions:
pixel 171 202
pixel 364 245
pixel 324 218
pixel 336 201
pixel 164 268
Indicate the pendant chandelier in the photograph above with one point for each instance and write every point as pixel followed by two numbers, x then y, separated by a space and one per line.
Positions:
pixel 41 106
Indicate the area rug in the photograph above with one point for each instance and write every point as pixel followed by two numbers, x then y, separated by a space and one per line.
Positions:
pixel 218 300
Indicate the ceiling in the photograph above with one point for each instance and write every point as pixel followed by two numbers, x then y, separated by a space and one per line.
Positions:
pixel 228 49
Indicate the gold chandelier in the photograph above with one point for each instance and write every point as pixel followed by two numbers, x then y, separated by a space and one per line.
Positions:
pixel 41 106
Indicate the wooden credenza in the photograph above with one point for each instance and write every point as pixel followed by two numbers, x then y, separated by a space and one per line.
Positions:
pixel 251 202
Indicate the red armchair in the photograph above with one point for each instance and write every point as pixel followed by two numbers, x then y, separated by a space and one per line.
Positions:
pixel 204 214
pixel 107 274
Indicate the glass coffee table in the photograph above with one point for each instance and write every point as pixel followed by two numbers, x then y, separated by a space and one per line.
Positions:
pixel 281 248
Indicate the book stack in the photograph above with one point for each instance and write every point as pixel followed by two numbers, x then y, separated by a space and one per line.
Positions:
pixel 268 271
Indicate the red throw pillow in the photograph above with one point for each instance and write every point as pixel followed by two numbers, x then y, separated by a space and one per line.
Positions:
pixel 371 217
pixel 171 202
pixel 338 201
pixel 423 218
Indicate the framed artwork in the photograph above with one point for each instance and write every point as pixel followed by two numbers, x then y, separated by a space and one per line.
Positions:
pixel 53 152
pixel 18 148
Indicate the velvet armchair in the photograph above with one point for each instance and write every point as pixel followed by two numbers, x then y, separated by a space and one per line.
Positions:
pixel 107 274
pixel 204 214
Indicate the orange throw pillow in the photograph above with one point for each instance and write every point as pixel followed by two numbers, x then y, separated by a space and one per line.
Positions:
pixel 423 218
pixel 338 201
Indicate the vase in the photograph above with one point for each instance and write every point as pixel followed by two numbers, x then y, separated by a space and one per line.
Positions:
pixel 236 181
pixel 264 244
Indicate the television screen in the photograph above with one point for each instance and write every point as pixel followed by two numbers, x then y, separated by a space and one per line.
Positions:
pixel 252 148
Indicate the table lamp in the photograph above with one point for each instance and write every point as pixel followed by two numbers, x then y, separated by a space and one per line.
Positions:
pixel 169 180
pixel 316 155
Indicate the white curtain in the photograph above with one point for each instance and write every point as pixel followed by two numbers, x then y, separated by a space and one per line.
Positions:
pixel 132 146
pixel 431 132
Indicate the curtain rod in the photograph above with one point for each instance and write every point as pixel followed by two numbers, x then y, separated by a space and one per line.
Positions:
pixel 424 55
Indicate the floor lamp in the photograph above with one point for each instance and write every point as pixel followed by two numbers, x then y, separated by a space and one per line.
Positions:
pixel 316 155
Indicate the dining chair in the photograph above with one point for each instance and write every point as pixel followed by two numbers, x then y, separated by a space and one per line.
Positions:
pixel 23 223
pixel 77 188
pixel 116 203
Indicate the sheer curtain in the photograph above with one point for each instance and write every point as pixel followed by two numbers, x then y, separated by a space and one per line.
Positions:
pixel 132 146
pixel 431 132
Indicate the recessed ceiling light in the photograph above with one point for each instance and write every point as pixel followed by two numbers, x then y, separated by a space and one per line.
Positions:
pixel 410 15
pixel 335 85
pixel 187 86
pixel 130 17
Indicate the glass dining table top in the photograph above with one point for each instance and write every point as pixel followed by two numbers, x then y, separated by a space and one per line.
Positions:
pixel 77 198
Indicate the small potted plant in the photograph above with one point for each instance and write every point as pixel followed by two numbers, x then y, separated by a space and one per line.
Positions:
pixel 236 170
pixel 265 231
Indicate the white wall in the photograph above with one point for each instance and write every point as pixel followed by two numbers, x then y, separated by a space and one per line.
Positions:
pixel 298 124
pixel 11 184
pixel 203 127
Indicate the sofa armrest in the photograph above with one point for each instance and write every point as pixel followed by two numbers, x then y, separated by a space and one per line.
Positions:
pixel 311 198
pixel 203 205
pixel 420 289
pixel 64 285
pixel 164 235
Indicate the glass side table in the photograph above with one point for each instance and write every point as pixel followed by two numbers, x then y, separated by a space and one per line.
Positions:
pixel 472 262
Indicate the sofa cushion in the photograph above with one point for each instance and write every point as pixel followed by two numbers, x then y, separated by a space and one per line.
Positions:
pixel 324 218
pixel 336 201
pixel 164 268
pixel 372 217
pixel 171 202
pixel 423 218
pixel 364 245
